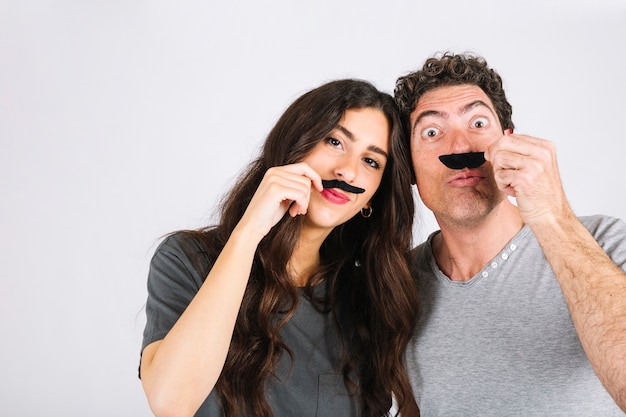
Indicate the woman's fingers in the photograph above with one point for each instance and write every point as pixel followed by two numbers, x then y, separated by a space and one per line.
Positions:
pixel 283 188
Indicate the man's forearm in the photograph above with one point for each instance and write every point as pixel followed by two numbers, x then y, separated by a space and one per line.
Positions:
pixel 595 291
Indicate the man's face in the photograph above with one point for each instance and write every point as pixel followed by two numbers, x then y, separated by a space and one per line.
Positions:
pixel 452 120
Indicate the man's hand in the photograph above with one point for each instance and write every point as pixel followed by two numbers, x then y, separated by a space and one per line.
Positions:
pixel 526 168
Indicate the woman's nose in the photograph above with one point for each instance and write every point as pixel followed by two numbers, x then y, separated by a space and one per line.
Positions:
pixel 346 169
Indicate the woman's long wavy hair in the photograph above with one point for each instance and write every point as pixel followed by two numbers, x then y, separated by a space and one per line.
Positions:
pixel 364 262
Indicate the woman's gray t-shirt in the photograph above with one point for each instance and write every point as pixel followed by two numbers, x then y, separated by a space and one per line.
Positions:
pixel 310 386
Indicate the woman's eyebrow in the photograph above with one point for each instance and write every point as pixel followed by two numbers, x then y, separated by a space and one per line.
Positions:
pixel 371 148
pixel 346 132
pixel 377 150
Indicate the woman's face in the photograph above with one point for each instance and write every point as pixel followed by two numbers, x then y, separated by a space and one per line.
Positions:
pixel 355 152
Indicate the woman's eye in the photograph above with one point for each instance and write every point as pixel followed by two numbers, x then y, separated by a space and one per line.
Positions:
pixel 372 162
pixel 479 122
pixel 333 141
pixel 430 132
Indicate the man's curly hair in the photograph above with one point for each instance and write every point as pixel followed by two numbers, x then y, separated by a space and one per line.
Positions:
pixel 449 69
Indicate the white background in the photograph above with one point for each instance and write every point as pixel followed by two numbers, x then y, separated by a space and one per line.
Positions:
pixel 121 121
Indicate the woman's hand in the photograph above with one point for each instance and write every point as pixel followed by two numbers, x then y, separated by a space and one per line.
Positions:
pixel 283 188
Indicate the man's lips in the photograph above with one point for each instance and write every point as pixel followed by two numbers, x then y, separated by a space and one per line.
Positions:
pixel 466 178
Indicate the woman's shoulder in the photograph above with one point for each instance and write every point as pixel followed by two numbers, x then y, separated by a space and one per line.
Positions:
pixel 193 248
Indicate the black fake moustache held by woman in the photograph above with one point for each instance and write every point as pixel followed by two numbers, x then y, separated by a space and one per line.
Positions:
pixel 342 186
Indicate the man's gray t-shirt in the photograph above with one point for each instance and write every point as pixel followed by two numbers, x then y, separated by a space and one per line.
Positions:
pixel 310 386
pixel 503 343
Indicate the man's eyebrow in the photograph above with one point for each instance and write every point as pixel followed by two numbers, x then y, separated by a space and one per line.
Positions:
pixel 371 148
pixel 477 103
pixel 468 107
pixel 427 113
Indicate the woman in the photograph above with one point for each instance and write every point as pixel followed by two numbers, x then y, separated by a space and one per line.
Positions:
pixel 299 302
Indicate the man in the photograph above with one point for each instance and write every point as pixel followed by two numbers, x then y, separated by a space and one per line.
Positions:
pixel 523 304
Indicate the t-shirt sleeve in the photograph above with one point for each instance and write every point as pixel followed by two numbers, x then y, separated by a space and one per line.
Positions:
pixel 173 281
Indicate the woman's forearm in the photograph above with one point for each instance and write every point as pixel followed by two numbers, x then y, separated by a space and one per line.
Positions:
pixel 179 371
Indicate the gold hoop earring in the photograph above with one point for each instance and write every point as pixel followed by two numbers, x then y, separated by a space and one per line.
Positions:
pixel 366 212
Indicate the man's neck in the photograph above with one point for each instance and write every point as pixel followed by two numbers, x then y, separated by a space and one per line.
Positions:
pixel 462 252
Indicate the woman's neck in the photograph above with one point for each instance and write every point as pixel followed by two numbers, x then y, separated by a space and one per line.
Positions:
pixel 306 255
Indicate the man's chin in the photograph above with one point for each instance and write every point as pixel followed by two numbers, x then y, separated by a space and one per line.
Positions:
pixel 466 212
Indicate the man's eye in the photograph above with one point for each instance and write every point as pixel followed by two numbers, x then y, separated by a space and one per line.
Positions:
pixel 480 122
pixel 430 132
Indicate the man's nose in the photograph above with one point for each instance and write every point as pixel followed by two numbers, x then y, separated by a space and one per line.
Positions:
pixel 461 142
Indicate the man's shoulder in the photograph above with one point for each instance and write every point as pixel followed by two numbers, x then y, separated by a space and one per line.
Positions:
pixel 609 232
pixel 604 228
pixel 421 258
pixel 423 249
pixel 597 222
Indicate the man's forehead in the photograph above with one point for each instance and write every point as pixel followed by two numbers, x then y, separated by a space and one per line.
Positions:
pixel 443 101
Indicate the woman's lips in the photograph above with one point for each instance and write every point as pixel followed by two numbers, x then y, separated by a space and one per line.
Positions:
pixel 334 196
